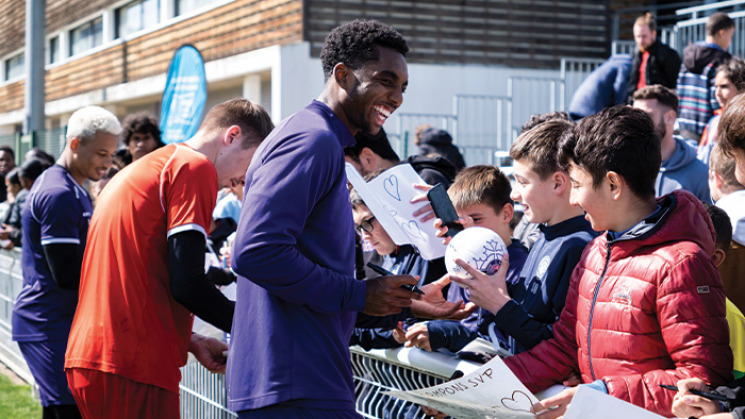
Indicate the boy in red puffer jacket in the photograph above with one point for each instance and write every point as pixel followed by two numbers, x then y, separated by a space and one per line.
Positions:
pixel 645 304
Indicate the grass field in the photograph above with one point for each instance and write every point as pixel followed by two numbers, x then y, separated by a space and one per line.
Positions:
pixel 16 401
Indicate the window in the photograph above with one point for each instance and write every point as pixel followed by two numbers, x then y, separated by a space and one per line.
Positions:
pixel 86 36
pixel 136 16
pixel 14 66
pixel 53 48
pixel 185 6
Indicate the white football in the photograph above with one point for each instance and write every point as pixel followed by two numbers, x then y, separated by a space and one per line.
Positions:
pixel 480 247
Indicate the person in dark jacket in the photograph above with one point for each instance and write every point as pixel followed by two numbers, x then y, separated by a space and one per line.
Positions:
pixel 373 153
pixel 653 62
pixel 696 89
pixel 438 141
pixel 604 87
pixel 7 163
pixel 24 177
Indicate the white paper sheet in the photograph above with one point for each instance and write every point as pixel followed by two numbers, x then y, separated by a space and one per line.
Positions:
pixel 589 403
pixel 492 391
pixel 388 197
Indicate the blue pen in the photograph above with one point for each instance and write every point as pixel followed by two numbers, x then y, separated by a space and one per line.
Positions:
pixel 382 271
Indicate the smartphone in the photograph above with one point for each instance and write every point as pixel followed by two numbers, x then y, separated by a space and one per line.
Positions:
pixel 443 209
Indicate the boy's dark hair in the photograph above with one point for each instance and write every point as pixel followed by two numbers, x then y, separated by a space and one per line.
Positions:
pixel 141 123
pixel 31 169
pixel 724 165
pixel 619 139
pixel 39 154
pixel 717 22
pixel 731 129
pixel 539 118
pixel 646 19
pixel 722 226
pixel 665 96
pixel 378 143
pixel 539 146
pixel 13 176
pixel 8 149
pixel 734 70
pixel 480 184
pixel 355 43
pixel 253 119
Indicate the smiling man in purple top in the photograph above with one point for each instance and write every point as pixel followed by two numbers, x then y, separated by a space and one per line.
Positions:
pixel 294 251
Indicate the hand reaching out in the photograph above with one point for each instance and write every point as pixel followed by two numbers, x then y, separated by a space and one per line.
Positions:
pixel 209 352
pixel 418 335
pixel 385 296
pixel 432 305
pixel 486 291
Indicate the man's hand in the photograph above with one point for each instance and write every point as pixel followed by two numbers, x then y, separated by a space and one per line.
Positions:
pixel 432 305
pixel 209 352
pixel 554 407
pixel 418 336
pixel 487 291
pixel 385 296
pixel 686 404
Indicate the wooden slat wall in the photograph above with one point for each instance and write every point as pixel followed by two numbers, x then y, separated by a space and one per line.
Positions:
pixel 232 29
pixel 60 13
pixel 520 33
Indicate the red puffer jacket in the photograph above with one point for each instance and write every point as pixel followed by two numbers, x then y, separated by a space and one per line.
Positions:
pixel 645 309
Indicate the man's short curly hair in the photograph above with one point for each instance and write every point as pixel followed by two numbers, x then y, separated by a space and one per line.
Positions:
pixel 141 123
pixel 354 44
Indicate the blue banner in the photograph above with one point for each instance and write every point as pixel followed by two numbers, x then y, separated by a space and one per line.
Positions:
pixel 184 97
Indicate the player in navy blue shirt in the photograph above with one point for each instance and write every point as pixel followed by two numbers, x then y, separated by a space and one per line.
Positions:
pixel 55 226
pixel 297 297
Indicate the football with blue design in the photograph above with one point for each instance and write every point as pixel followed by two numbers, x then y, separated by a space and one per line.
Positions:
pixel 480 247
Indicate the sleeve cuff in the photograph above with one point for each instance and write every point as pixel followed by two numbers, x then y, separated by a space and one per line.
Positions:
pixel 357 289
pixel 597 385
pixel 503 315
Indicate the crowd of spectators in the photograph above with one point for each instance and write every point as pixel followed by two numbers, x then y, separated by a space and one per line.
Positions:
pixel 617 277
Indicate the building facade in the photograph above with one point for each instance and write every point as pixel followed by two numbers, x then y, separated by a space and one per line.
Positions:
pixel 116 53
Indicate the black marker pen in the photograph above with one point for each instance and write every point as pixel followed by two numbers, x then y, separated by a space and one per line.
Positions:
pixel 710 396
pixel 378 269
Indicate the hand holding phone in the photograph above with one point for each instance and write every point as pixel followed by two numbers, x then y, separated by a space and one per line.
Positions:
pixel 443 209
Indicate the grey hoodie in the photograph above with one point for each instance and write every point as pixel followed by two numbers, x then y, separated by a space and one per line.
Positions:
pixel 683 171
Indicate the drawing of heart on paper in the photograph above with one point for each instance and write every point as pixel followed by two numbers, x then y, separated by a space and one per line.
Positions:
pixel 521 403
pixel 412 229
pixel 390 184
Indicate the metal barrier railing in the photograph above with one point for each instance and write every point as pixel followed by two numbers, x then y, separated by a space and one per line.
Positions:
pixel 11 281
pixel 203 394
pixel 377 371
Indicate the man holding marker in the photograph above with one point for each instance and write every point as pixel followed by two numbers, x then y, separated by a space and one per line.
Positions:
pixel 294 251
